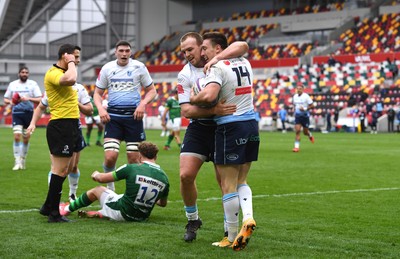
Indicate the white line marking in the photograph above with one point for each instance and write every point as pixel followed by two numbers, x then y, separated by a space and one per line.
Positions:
pixel 254 197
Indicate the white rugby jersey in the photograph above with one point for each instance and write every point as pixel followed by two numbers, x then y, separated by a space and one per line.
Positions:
pixel 124 83
pixel 83 96
pixel 29 89
pixel 303 100
pixel 187 77
pixel 235 76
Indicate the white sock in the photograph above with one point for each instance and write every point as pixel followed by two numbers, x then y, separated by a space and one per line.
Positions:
pixel 24 149
pixel 17 150
pixel 192 213
pixel 246 201
pixel 111 185
pixel 231 210
pixel 73 179
pixel 297 144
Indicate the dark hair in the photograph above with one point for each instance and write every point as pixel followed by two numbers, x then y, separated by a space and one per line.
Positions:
pixel 148 149
pixel 123 43
pixel 23 68
pixel 66 48
pixel 194 35
pixel 77 48
pixel 216 38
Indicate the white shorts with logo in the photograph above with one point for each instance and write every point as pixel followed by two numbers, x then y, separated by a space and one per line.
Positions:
pixel 93 119
pixel 106 197
pixel 174 124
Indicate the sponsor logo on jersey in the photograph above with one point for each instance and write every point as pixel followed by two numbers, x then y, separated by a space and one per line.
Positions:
pixel 119 86
pixel 179 88
pixel 243 90
pixel 226 62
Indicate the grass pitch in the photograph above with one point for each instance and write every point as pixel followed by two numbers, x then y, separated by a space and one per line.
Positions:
pixel 337 198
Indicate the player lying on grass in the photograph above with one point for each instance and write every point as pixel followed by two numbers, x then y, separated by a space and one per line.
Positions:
pixel 146 185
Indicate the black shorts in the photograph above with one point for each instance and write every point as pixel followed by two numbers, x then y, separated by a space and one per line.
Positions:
pixel 62 136
pixel 303 120
pixel 23 119
pixel 199 139
pixel 125 129
pixel 80 143
pixel 237 143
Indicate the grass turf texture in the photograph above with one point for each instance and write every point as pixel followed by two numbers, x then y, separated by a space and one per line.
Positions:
pixel 337 198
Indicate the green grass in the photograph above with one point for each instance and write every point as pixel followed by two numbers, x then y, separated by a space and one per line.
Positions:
pixel 338 198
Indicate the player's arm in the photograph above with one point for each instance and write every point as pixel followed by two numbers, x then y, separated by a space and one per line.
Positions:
pixel 193 111
pixel 234 50
pixel 37 114
pixel 86 109
pixel 162 202
pixel 31 99
pixel 207 96
pixel 149 95
pixel 70 76
pixel 102 177
pixel 7 101
pixel 98 101
pixel 164 115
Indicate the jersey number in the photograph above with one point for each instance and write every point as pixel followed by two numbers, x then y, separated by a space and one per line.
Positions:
pixel 147 196
pixel 241 72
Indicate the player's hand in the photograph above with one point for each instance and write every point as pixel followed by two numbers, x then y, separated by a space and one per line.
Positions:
pixel 24 98
pixel 30 129
pixel 94 174
pixel 207 66
pixel 221 108
pixel 139 112
pixel 69 57
pixel 104 116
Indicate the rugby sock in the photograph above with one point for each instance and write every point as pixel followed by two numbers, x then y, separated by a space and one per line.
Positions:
pixel 82 201
pixel 54 193
pixel 309 134
pixel 87 138
pixel 99 135
pixel 24 149
pixel 246 201
pixel 169 140
pixel 111 185
pixel 231 210
pixel 297 144
pixel 17 150
pixel 191 212
pixel 73 179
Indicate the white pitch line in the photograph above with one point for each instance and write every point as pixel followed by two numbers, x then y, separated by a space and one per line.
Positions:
pixel 255 196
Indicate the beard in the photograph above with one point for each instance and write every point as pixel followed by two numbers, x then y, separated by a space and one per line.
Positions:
pixel 23 78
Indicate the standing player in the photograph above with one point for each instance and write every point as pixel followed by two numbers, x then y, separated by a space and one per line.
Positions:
pixel 198 143
pixel 236 137
pixel 164 130
pixel 124 78
pixel 302 103
pixel 86 107
pixel 21 94
pixel 94 119
pixel 62 130
pixel 174 110
pixel 146 185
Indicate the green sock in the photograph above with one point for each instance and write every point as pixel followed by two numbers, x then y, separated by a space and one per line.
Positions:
pixel 82 201
pixel 99 135
pixel 87 138
pixel 169 140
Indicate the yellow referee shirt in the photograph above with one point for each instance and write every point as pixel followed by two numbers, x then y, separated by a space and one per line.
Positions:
pixel 62 100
